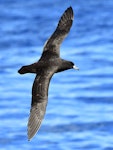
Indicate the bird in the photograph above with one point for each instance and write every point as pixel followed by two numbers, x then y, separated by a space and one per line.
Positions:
pixel 49 63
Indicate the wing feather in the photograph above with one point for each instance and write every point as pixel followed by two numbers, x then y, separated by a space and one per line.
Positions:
pixel 37 113
pixel 63 27
pixel 39 102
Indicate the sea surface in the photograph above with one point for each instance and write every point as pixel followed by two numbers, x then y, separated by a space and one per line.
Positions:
pixel 79 114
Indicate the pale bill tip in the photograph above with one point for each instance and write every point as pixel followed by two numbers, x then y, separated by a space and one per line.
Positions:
pixel 75 67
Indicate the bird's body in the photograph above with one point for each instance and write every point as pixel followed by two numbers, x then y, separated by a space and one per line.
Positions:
pixel 49 63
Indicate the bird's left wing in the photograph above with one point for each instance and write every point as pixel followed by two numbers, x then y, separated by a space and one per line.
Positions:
pixel 39 102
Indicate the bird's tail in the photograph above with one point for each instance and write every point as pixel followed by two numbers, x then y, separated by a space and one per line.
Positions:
pixel 27 69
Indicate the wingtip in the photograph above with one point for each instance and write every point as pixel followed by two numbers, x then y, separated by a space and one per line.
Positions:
pixel 70 10
pixel 29 139
pixel 37 113
pixel 68 14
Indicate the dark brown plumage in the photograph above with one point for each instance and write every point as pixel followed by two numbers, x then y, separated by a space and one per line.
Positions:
pixel 49 63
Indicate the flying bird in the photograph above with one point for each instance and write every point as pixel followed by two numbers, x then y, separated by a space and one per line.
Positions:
pixel 48 64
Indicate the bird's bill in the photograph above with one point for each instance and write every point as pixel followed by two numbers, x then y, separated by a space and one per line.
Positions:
pixel 75 67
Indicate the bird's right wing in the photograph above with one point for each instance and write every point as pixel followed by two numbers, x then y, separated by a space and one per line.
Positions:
pixel 52 45
pixel 39 102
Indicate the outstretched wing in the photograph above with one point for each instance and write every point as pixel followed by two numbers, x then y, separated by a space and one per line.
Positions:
pixel 53 43
pixel 37 113
pixel 39 102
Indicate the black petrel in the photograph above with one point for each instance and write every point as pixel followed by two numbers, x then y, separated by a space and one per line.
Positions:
pixel 49 63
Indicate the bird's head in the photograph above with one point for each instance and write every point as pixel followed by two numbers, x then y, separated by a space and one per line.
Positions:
pixel 67 65
pixel 71 65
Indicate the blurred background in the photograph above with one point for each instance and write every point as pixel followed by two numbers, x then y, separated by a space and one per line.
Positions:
pixel 79 114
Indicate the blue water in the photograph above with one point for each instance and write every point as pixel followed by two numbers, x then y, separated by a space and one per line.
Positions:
pixel 80 108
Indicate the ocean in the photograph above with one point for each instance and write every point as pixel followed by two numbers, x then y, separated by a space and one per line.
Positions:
pixel 79 114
